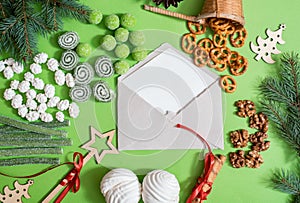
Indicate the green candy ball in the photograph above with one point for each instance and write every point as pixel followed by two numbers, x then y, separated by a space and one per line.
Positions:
pixel 122 51
pixel 121 34
pixel 121 67
pixel 112 22
pixel 108 42
pixel 83 50
pixel 95 17
pixel 137 38
pixel 128 20
pixel 139 53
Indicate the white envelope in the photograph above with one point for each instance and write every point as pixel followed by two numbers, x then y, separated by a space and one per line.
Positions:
pixel 161 91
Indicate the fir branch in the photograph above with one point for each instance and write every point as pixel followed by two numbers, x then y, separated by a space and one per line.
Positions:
pixel 286 181
pixel 2 11
pixel 21 21
pixel 281 100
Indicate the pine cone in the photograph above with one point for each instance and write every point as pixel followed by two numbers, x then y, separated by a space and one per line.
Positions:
pixel 239 138
pixel 167 3
pixel 254 159
pixel 246 108
pixel 237 159
pixel 260 122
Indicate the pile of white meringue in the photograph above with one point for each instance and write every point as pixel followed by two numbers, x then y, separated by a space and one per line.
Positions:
pixel 122 186
pixel 31 97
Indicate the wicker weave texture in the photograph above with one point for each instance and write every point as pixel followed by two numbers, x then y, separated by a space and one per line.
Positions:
pixel 231 9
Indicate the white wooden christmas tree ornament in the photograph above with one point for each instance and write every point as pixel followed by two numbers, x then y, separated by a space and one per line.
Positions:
pixel 15 196
pixel 266 47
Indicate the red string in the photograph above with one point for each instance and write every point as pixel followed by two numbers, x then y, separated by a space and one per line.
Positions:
pixel 71 180
pixel 198 191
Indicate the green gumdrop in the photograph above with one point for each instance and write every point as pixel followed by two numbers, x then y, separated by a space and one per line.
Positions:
pixel 139 53
pixel 95 17
pixel 122 51
pixel 83 49
pixel 121 67
pixel 112 22
pixel 137 38
pixel 108 42
pixel 128 20
pixel 121 34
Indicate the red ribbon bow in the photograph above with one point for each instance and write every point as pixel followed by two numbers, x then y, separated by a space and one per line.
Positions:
pixel 198 191
pixel 71 180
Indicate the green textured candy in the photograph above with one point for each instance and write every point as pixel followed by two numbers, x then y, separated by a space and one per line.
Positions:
pixel 83 50
pixel 121 67
pixel 112 22
pixel 128 20
pixel 95 17
pixel 108 42
pixel 122 51
pixel 121 34
pixel 139 53
pixel 137 38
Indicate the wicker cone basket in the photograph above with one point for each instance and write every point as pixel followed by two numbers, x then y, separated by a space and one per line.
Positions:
pixel 230 9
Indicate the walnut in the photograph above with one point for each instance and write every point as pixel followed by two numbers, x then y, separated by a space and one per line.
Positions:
pixel 258 137
pixel 260 122
pixel 237 159
pixel 246 108
pixel 254 159
pixel 239 138
pixel 261 146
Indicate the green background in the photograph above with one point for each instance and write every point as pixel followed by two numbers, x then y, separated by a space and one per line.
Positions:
pixel 232 185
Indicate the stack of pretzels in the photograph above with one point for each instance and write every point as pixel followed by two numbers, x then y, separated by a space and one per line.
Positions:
pixel 214 52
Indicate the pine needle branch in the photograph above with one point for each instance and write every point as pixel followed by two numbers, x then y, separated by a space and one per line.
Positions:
pixel 286 181
pixel 281 103
pixel 21 21
pixel 281 100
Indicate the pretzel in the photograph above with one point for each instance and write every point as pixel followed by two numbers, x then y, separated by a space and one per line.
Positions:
pixel 201 56
pixel 239 65
pixel 218 23
pixel 219 39
pixel 228 83
pixel 220 54
pixel 196 27
pixel 238 37
pixel 206 44
pixel 188 43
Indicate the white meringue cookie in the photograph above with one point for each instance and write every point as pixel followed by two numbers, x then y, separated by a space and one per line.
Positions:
pixel 160 187
pixel 52 64
pixel 38 84
pixel 2 66
pixel 9 94
pixel 14 84
pixel 31 94
pixel 36 68
pixel 24 86
pixel 17 67
pixel 8 72
pixel 53 101
pixel 32 116
pixel 16 101
pixel 59 77
pixel 29 76
pixel 41 58
pixel 60 116
pixel 49 90
pixel 121 186
pixel 41 98
pixel 74 110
